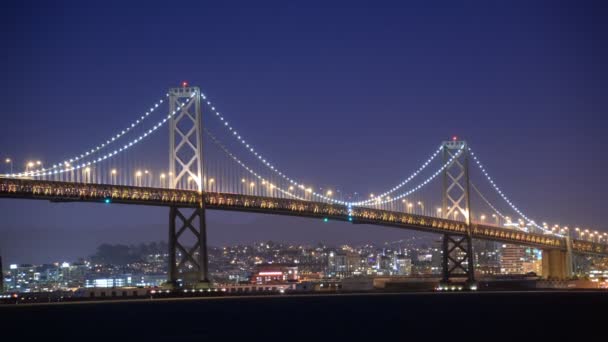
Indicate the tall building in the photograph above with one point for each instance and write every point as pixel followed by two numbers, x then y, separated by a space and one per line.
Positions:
pixel 336 264
pixel 402 265
pixel 487 257
pixel 512 259
pixel 384 264
pixel 533 262
pixel 344 263
pixel 437 257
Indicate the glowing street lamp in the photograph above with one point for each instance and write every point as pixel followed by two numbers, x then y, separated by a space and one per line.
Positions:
pixel 190 179
pixel 87 174
pixel 9 161
pixel 138 178
pixel 113 176
pixel 421 207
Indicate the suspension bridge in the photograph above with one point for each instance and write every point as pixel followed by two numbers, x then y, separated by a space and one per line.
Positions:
pixel 451 193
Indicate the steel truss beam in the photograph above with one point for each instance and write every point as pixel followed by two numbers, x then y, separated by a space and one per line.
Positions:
pixel 185 147
pixel 458 260
pixel 188 263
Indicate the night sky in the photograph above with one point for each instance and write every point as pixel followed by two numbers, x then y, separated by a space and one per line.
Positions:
pixel 357 94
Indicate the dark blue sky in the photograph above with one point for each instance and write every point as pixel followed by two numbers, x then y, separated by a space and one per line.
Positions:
pixel 357 93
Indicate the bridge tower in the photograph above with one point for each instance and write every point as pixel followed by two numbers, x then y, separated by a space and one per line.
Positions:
pixel 457 248
pixel 187 259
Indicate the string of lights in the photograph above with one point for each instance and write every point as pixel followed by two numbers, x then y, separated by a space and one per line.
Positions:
pixel 108 142
pixel 261 158
pixel 264 161
pixel 67 165
pixel 404 182
pixel 421 185
pixel 504 197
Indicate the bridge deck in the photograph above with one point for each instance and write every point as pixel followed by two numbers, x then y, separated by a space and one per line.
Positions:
pixel 81 192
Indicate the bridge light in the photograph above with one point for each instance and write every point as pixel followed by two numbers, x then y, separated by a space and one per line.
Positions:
pixel 350 219
pixel 184 84
pixel 325 219
pixel 454 138
pixel 107 201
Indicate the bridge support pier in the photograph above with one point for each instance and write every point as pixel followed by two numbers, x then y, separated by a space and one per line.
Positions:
pixel 557 264
pixel 457 253
pixel 190 264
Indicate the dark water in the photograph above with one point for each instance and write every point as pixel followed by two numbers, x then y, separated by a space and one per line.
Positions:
pixel 456 316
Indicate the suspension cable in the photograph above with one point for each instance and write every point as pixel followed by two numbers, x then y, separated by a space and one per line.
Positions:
pixel 68 166
pixel 504 197
pixel 264 161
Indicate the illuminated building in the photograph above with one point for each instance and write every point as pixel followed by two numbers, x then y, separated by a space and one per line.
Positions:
pixel 275 273
pixel 402 265
pixel 512 259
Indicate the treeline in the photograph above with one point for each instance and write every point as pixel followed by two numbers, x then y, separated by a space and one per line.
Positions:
pixel 120 254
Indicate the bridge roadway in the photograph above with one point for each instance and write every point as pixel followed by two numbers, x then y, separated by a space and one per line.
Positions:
pixel 84 192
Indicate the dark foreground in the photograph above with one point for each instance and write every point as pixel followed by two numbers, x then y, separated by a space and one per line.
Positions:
pixel 457 316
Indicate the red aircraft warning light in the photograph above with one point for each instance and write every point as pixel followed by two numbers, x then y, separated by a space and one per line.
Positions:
pixel 184 84
pixel 454 138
